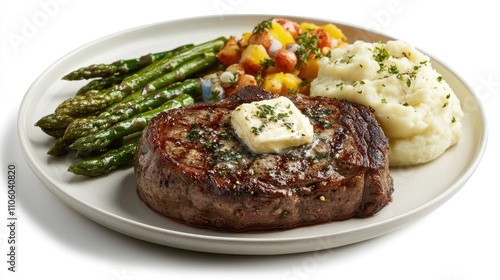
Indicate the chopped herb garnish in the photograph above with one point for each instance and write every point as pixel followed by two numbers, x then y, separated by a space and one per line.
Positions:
pixel 307 48
pixel 393 69
pixel 408 82
pixel 305 83
pixel 267 113
pixel 284 214
pixel 193 135
pixel 380 55
pixel 233 80
pixel 264 65
pixel 263 26
pixel 216 95
pixel 319 115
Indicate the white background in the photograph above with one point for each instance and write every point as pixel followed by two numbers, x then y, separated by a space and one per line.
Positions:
pixel 458 241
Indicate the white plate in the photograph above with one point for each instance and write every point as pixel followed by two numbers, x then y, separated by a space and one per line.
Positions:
pixel 112 201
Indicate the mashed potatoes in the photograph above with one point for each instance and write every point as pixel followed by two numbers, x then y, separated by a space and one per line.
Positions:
pixel 416 108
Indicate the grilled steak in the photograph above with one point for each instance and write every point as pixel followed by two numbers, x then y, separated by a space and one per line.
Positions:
pixel 191 167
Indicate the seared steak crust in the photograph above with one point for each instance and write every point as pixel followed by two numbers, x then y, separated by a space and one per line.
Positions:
pixel 191 167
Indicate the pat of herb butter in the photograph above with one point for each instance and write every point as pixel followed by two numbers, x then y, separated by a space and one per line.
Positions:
pixel 271 126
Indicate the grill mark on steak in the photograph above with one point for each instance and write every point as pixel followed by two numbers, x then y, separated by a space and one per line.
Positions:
pixel 191 167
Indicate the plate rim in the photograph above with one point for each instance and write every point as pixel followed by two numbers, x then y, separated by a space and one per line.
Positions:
pixel 119 223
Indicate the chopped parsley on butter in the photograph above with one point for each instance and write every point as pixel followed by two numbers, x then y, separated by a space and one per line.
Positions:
pixel 271 126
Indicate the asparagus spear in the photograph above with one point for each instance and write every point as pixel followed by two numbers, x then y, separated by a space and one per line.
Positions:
pixel 54 124
pixel 100 84
pixel 84 105
pixel 59 148
pixel 148 74
pixel 56 132
pixel 54 121
pixel 124 110
pixel 101 139
pixel 120 66
pixel 107 162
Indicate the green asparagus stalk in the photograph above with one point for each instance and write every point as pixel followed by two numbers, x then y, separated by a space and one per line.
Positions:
pixel 148 74
pixel 124 110
pixel 107 162
pixel 120 66
pixel 56 132
pixel 54 124
pixel 100 84
pixel 85 105
pixel 182 72
pixel 59 148
pixel 100 140
pixel 54 121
